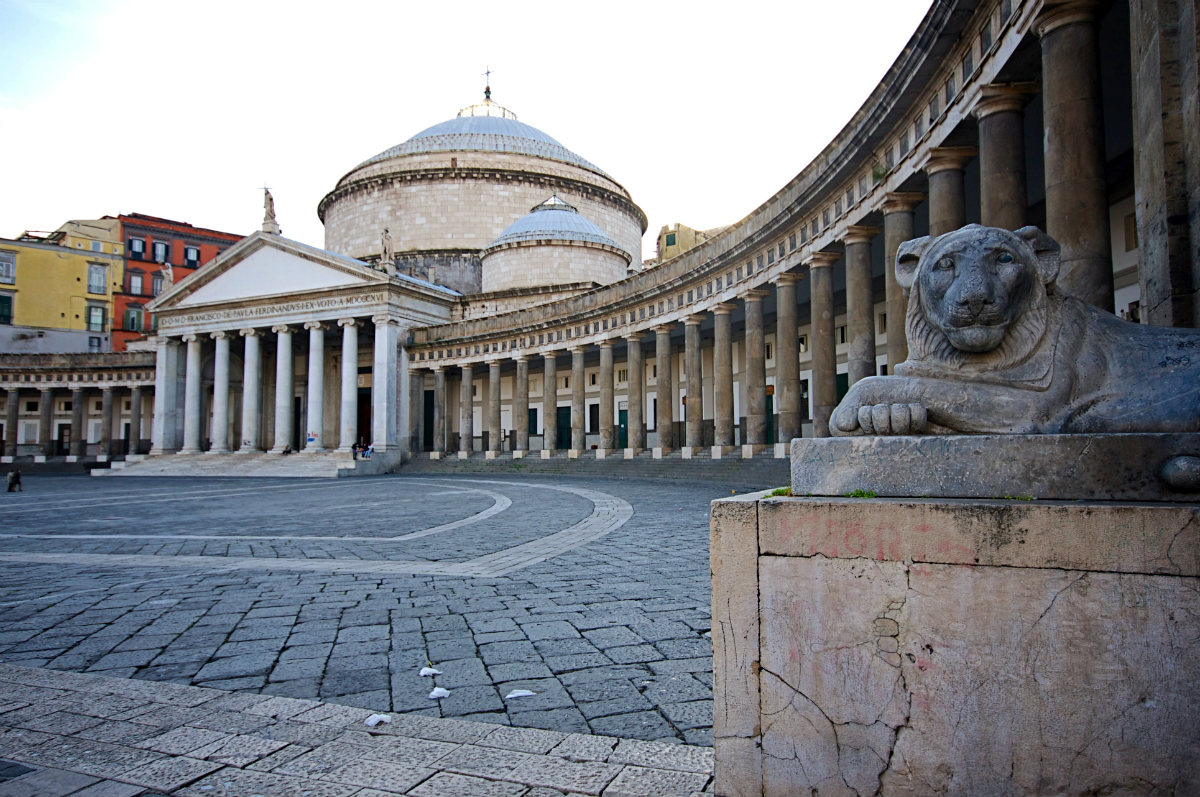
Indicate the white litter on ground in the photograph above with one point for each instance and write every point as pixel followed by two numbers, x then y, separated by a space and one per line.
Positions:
pixel 375 719
pixel 429 672
pixel 519 693
pixel 438 693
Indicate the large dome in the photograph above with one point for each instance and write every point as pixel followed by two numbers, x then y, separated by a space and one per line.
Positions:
pixel 451 190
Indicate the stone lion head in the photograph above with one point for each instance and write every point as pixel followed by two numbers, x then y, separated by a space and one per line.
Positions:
pixel 977 295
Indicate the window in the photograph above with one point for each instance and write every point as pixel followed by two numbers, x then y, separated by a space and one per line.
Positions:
pixel 6 308
pixel 770 257
pixel 781 250
pixel 8 267
pixel 950 90
pixel 760 265
pixel 739 272
pixel 968 64
pixel 95 318
pixel 623 375
pixel 162 252
pixel 904 143
pixel 850 196
pixel 137 248
pixel 670 239
pixel 841 334
pixel 97 278
pixel 191 256
pixel 803 345
pixel 767 351
pixel 933 110
pixel 837 207
pixel 792 242
pixel 985 36
pixel 825 218
pixel 593 380
pixel 94 345
pixel 157 282
pixel 803 235
pixel 135 283
pixel 134 319
pixel 814 228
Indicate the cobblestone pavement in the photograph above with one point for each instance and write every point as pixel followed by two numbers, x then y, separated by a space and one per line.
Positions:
pixel 88 735
pixel 593 594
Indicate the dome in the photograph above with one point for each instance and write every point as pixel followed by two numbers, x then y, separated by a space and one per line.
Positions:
pixel 553 220
pixel 485 127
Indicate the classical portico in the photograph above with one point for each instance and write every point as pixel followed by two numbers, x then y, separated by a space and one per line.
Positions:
pixel 316 342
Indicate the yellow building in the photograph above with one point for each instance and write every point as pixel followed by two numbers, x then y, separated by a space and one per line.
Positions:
pixel 675 239
pixel 56 289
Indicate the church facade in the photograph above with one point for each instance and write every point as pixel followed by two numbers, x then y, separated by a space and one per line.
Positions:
pixel 480 290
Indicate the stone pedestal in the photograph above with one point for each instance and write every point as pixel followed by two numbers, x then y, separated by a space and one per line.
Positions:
pixel 932 646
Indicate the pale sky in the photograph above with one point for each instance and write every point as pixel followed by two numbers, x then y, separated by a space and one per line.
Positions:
pixel 701 110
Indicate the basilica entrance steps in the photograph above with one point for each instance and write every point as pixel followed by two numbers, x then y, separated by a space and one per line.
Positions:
pixel 760 472
pixel 322 465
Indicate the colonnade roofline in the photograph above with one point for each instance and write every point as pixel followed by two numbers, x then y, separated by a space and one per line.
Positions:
pixel 839 193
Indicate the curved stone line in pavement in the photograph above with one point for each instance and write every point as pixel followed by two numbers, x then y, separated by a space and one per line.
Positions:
pixel 608 514
pixel 499 504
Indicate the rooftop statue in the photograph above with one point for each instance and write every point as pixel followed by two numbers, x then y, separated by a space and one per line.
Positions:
pixel 994 348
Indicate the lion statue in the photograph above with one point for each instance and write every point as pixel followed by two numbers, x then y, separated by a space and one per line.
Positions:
pixel 995 349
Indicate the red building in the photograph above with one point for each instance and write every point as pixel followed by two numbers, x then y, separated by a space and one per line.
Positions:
pixel 151 242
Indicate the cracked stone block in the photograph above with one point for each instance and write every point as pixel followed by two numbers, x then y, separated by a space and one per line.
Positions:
pixel 526 740
pixel 169 774
pixel 378 774
pixel 657 755
pixel 586 777
pixel 642 782
pixel 446 784
pixel 181 741
pixel 268 784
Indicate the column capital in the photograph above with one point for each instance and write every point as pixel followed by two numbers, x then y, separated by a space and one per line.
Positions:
pixel 495 362
pixel 693 320
pixel 634 337
pixel 220 334
pixel 901 201
pixel 279 329
pixel 755 295
pixel 437 367
pixel 520 358
pixel 860 234
pixel 787 278
pixel 165 340
pixel 314 325
pixel 190 338
pixel 249 332
pixel 1059 13
pixel 823 259
pixel 549 354
pixel 607 343
pixel 664 329
pixel 580 348
pixel 724 308
pixel 384 320
pixel 1000 97
pixel 943 159
pixel 347 322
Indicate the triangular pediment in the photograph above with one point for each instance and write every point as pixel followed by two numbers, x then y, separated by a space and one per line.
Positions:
pixel 265 265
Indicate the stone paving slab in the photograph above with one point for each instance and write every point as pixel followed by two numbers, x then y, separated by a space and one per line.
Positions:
pixel 592 593
pixel 411 756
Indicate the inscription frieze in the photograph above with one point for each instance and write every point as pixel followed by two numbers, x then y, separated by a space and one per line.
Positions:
pixel 267 310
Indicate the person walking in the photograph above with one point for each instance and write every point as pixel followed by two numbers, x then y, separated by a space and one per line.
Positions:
pixel 14 481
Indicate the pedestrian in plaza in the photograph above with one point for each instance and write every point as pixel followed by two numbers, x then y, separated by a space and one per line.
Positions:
pixel 14 481
pixel 370 451
pixel 354 450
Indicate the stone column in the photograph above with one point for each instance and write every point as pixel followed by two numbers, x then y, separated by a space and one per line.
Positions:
pixel 722 378
pixel 1003 198
pixel 693 410
pixel 314 440
pixel 1166 152
pixel 385 384
pixel 284 387
pixel 191 399
pixel 756 375
pixel 439 410
pixel 348 410
pixel 860 303
pixel 521 406
pixel 947 196
pixel 416 415
pixel 166 386
pixel 636 398
pixel 578 408
pixel 46 422
pixel 220 401
pixel 1076 187
pixel 495 433
pixel 608 432
pixel 549 404
pixel 664 387
pixel 824 362
pixel 107 444
pixel 466 412
pixel 12 409
pixel 135 420
pixel 787 360
pixel 897 228
pixel 251 392
pixel 78 421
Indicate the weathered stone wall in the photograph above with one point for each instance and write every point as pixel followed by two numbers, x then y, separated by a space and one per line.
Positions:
pixel 535 263
pixel 901 647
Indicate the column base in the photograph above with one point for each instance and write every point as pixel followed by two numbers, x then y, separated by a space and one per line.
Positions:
pixel 519 454
pixel 192 451
pixel 42 458
pixel 687 452
pixel 718 452
pixel 217 451
pixel 314 450
pixel 72 458
pixel 658 452
pixel 6 459
pixel 750 449
pixel 547 453
pixel 245 451
pixel 490 454
pixel 464 454
pixel 574 453
pixel 434 456
pixel 781 451
pixel 601 453
pixel 630 453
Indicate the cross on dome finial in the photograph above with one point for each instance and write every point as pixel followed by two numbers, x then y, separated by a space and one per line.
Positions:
pixel 487 86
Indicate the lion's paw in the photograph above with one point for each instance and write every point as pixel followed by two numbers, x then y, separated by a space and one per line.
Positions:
pixel 892 419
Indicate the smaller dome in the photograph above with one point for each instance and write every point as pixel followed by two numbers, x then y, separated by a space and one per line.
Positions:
pixel 553 220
